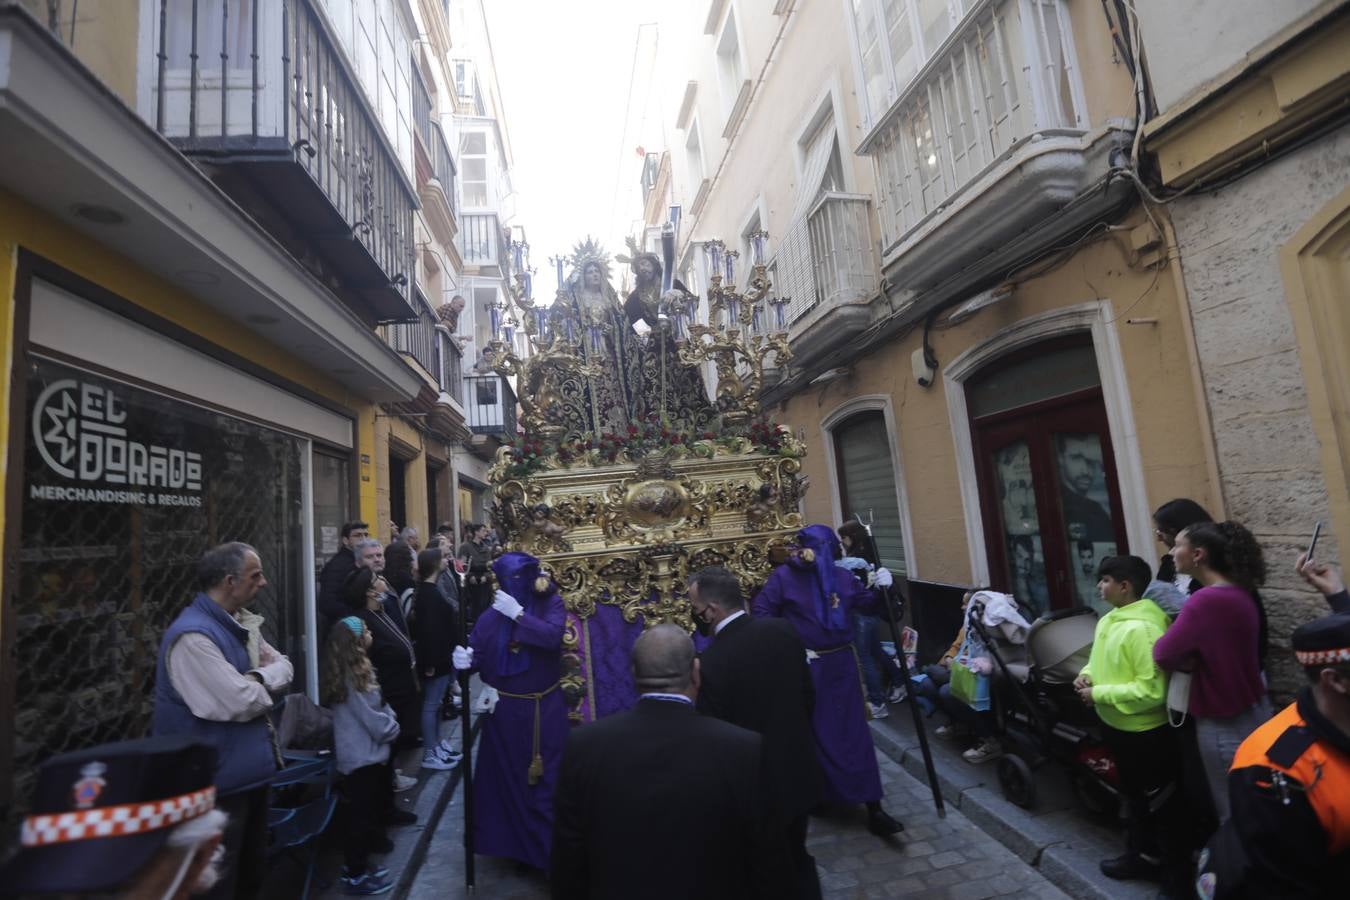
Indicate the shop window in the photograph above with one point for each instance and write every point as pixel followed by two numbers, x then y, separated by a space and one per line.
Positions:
pixel 123 490
pixel 1049 496
pixel 866 472
pixel 332 504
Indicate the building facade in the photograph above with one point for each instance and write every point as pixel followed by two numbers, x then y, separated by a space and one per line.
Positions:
pixel 1252 149
pixel 226 253
pixel 991 350
pixel 1049 267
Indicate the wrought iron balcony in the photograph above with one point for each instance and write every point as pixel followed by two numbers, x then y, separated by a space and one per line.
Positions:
pixel 826 258
pixel 452 366
pixel 491 405
pixel 262 96
pixel 827 267
pixel 480 239
pixel 417 339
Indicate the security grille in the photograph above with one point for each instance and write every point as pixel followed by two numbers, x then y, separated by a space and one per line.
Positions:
pixel 103 573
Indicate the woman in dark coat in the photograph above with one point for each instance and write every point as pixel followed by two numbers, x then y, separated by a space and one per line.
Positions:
pixel 390 651
pixel 434 631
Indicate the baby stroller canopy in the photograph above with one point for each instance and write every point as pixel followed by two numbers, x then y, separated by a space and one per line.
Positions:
pixel 1059 644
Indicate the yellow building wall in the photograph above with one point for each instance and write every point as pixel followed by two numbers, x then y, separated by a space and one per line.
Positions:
pixel 1158 371
pixel 23 225
pixel 104 38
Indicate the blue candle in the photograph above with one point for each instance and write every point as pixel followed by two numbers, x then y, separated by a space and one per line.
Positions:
pixel 529 285
pixel 731 272
pixel 558 262
pixel 494 318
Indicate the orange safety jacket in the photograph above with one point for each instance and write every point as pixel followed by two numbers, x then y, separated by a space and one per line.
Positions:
pixel 1289 832
pixel 1288 746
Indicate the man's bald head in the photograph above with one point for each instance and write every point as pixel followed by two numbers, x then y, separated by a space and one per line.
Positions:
pixel 663 662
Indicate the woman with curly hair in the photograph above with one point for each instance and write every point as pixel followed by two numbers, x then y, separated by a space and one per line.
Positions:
pixel 1217 638
pixel 364 727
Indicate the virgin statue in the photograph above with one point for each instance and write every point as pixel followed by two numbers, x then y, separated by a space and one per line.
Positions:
pixel 611 396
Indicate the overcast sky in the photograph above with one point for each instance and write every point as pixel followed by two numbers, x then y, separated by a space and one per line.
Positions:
pixel 569 83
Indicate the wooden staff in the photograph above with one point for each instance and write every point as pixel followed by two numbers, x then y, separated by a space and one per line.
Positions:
pixel 910 697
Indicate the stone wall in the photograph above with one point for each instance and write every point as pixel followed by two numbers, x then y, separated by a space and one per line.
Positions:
pixel 1268 453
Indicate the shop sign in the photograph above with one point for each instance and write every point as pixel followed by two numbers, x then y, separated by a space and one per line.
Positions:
pixel 82 433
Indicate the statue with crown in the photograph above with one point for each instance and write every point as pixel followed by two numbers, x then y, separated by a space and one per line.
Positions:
pixel 630 474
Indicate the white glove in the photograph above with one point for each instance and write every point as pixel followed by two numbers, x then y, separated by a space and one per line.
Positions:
pixel 507 605
pixel 462 658
pixel 882 578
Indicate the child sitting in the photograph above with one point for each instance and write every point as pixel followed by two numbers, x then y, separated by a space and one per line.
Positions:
pixel 363 728
pixel 1129 693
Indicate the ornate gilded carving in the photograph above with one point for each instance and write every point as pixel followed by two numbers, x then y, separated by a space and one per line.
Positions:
pixel 628 477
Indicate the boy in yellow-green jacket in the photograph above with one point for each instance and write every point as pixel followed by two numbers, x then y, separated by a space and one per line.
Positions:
pixel 1129 693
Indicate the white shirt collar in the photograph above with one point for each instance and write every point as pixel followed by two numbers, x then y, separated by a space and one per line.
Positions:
pixel 731 618
pixel 670 698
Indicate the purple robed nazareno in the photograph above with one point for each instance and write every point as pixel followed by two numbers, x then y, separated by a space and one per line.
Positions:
pixel 514 818
pixel 795 591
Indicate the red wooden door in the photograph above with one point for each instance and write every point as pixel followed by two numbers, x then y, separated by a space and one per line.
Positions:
pixel 1049 499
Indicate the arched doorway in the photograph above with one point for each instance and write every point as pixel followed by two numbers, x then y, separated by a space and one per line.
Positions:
pixel 1049 494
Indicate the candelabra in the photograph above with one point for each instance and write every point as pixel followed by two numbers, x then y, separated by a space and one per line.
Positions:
pixel 735 339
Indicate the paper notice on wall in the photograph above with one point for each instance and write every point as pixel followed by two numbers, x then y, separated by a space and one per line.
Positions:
pixel 328 539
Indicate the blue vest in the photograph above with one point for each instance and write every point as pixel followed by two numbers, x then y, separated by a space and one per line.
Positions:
pixel 245 757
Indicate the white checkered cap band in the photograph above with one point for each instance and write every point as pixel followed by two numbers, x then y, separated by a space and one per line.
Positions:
pixel 1322 657
pixel 115 821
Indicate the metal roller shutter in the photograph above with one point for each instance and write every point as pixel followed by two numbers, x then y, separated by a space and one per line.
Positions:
pixel 867 482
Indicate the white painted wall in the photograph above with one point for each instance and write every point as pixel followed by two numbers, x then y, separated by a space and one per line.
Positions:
pixel 1189 43
pixel 800 63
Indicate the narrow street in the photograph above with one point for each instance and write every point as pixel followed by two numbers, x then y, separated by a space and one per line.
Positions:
pixel 938 857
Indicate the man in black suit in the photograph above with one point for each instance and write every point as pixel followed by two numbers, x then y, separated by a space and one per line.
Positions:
pixel 660 802
pixel 755 675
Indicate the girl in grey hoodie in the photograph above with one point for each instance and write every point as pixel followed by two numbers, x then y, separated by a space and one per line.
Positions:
pixel 364 727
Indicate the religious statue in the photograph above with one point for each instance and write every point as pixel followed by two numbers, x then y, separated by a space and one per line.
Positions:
pixel 611 395
pixel 669 386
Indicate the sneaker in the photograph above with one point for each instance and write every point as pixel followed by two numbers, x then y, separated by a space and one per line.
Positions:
pixel 1130 867
pixel 366 884
pixel 447 748
pixel 399 817
pixel 950 731
pixel 982 752
pixel 898 693
pixel 403 782
pixel 878 710
pixel 437 760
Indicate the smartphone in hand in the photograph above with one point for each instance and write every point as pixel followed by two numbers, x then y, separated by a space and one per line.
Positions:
pixel 1312 545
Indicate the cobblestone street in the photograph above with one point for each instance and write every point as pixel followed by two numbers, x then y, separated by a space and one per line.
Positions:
pixel 936 858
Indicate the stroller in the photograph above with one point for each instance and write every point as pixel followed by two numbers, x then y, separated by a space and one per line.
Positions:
pixel 1040 716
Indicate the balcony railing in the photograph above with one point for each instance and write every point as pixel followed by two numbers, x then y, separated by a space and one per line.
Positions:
pixel 1004 75
pixel 265 86
pixel 480 238
pixel 452 366
pixel 491 405
pixel 826 257
pixel 443 164
pixel 418 337
pixel 421 109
